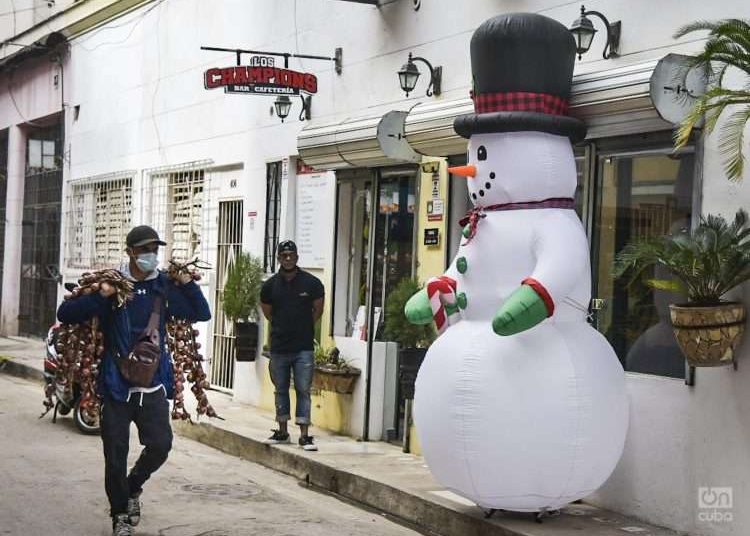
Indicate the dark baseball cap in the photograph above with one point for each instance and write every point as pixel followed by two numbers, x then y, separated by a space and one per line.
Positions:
pixel 286 246
pixel 142 235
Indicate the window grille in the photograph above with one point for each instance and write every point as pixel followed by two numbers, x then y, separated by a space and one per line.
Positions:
pixel 179 208
pixel 98 219
pixel 273 215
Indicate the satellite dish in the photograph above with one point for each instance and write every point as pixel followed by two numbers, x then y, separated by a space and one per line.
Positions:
pixel 392 139
pixel 675 86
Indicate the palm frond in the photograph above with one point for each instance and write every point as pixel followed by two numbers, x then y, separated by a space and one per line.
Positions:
pixel 708 262
pixel 696 26
pixel 709 105
pixel 728 45
pixel 731 143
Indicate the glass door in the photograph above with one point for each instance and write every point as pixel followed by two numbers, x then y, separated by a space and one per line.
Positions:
pixel 639 195
pixel 393 260
pixel 375 247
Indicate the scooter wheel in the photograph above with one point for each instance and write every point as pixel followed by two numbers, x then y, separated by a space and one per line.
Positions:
pixel 83 423
pixel 63 409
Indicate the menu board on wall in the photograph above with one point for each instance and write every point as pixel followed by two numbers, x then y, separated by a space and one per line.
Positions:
pixel 313 219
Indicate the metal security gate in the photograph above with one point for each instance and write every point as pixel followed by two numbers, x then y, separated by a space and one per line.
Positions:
pixel 40 251
pixel 40 237
pixel 229 244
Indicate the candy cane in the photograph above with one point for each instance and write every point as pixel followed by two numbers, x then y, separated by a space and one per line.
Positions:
pixel 441 291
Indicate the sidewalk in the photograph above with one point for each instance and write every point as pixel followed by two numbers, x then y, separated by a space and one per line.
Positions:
pixel 374 474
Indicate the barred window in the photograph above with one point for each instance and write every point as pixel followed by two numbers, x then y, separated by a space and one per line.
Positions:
pixel 273 215
pixel 178 210
pixel 98 219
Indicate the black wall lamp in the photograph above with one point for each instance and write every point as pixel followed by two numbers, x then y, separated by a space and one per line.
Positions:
pixel 409 74
pixel 283 105
pixel 583 30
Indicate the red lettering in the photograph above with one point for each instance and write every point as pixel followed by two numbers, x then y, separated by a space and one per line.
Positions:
pixel 267 74
pixel 256 75
pixel 297 81
pixel 240 75
pixel 283 77
pixel 212 78
pixel 311 83
pixel 227 76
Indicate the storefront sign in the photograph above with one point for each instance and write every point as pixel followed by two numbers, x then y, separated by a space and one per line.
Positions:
pixel 313 224
pixel 432 236
pixel 261 77
pixel 435 185
pixel 435 210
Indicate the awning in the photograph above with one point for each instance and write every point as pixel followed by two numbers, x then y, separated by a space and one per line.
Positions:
pixel 371 141
pixel 612 103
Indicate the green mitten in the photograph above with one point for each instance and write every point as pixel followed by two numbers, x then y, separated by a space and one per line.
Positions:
pixel 417 309
pixel 523 310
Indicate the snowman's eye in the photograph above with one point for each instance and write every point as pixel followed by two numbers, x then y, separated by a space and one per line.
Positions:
pixel 482 153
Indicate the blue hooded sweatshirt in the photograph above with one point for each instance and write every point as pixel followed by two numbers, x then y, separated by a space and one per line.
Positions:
pixel 122 326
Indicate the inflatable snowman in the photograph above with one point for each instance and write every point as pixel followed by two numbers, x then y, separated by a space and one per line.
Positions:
pixel 520 404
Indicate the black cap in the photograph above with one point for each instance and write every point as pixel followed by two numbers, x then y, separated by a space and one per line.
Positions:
pixel 521 56
pixel 142 235
pixel 286 246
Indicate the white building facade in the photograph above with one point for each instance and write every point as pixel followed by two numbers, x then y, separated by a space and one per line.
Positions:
pixel 123 120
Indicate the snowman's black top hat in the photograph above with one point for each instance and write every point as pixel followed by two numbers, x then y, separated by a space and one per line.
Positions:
pixel 522 67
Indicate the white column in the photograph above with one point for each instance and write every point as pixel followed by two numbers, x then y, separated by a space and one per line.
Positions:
pixel 13 229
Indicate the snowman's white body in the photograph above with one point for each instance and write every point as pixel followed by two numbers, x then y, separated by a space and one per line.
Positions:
pixel 535 420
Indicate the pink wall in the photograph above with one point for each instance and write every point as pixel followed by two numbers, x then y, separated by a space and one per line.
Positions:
pixel 32 86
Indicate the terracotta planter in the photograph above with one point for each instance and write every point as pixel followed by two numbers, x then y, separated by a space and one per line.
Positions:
pixel 337 381
pixel 708 336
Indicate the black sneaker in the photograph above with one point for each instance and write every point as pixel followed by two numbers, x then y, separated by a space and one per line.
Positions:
pixel 121 526
pixel 306 442
pixel 134 509
pixel 277 438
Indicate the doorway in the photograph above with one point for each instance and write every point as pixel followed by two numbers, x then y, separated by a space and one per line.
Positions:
pixel 375 249
pixel 40 239
pixel 228 246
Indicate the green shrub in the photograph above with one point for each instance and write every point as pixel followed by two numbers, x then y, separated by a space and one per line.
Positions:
pixel 397 327
pixel 707 262
pixel 331 359
pixel 242 288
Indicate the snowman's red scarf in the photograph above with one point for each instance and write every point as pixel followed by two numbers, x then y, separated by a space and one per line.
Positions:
pixel 477 213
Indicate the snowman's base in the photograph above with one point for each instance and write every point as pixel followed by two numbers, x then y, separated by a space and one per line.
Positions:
pixel 538 516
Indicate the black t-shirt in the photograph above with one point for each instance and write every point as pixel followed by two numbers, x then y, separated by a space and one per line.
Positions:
pixel 292 328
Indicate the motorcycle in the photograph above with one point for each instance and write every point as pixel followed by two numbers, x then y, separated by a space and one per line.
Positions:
pixel 67 397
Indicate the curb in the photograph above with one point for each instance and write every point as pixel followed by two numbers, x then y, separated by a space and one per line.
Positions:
pixel 20 370
pixel 428 516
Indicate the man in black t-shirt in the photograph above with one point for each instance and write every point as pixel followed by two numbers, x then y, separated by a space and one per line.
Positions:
pixel 292 300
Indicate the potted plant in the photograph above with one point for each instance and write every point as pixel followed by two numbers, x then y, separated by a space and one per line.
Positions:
pixel 707 263
pixel 728 44
pixel 412 339
pixel 333 372
pixel 240 303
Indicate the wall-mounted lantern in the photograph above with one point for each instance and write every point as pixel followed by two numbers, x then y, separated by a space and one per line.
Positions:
pixel 583 31
pixel 409 74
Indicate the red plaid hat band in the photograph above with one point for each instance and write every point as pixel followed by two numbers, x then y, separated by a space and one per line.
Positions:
pixel 520 101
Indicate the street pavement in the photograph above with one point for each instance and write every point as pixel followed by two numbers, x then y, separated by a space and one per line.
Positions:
pixel 52 484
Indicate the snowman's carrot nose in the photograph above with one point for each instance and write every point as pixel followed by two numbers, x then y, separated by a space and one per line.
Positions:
pixel 464 171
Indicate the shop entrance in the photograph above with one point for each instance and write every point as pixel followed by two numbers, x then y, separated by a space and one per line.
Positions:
pixel 40 239
pixel 375 248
